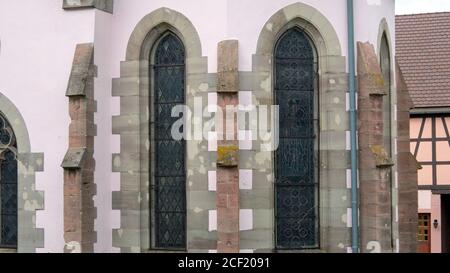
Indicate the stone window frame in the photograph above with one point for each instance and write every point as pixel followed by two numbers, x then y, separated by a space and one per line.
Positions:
pixel 384 31
pixel 29 238
pixel 332 66
pixel 384 35
pixel 132 125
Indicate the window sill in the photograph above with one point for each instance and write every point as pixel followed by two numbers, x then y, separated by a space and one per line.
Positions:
pixel 8 250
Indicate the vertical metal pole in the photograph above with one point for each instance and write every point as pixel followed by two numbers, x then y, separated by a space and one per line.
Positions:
pixel 353 128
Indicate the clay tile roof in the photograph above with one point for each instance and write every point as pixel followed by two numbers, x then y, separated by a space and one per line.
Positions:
pixel 423 53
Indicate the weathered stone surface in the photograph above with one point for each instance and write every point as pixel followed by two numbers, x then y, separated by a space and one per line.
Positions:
pixel 382 159
pixel 74 158
pixel 80 70
pixel 369 70
pixel 227 70
pixel 134 129
pixel 79 163
pixel 228 156
pixel 105 5
pixel 228 149
pixel 407 172
pixel 374 162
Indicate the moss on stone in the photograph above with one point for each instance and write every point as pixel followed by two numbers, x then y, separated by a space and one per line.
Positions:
pixel 382 158
pixel 228 156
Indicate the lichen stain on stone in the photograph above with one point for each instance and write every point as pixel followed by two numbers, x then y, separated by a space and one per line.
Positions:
pixel 382 158
pixel 201 159
pixel 31 205
pixel 344 218
pixel 24 170
pixel 120 233
pixel 262 159
pixel 117 161
pixel 191 184
pixel 39 162
pixel 337 120
pixel 336 100
pixel 265 85
pixel 227 156
pixel 192 152
pixel 379 80
pixel 344 198
pixel 198 210
pixel 203 87
pixel 269 26
pixel 135 249
pixel 202 170
pixel 191 91
pixel 341 245
pixel 147 145
pixel 25 196
pixel 73 247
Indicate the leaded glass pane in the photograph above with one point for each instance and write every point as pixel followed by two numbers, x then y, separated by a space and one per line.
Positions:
pixel 169 160
pixel 295 171
pixel 8 186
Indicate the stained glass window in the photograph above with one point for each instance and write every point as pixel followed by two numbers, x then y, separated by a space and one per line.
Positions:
pixel 295 186
pixel 169 204
pixel 8 186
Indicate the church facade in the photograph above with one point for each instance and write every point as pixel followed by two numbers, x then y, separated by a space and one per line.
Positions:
pixel 117 134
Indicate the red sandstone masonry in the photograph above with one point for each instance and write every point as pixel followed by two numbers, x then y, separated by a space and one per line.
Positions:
pixel 227 165
pixel 407 171
pixel 375 188
pixel 79 164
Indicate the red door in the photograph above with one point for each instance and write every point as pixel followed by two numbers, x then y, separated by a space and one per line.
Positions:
pixel 424 234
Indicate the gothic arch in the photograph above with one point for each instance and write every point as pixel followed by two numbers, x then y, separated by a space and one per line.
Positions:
pixel 156 23
pixel 29 200
pixel 134 234
pixel 383 29
pixel 331 87
pixel 314 23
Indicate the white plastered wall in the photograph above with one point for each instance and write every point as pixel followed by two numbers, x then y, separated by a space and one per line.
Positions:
pixel 38 43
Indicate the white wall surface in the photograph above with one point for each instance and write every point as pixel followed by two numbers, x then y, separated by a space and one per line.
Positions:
pixel 102 153
pixel 38 43
pixel 368 15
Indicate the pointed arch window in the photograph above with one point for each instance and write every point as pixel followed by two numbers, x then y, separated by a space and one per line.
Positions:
pixel 296 183
pixel 8 186
pixel 168 155
pixel 385 61
pixel 385 64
